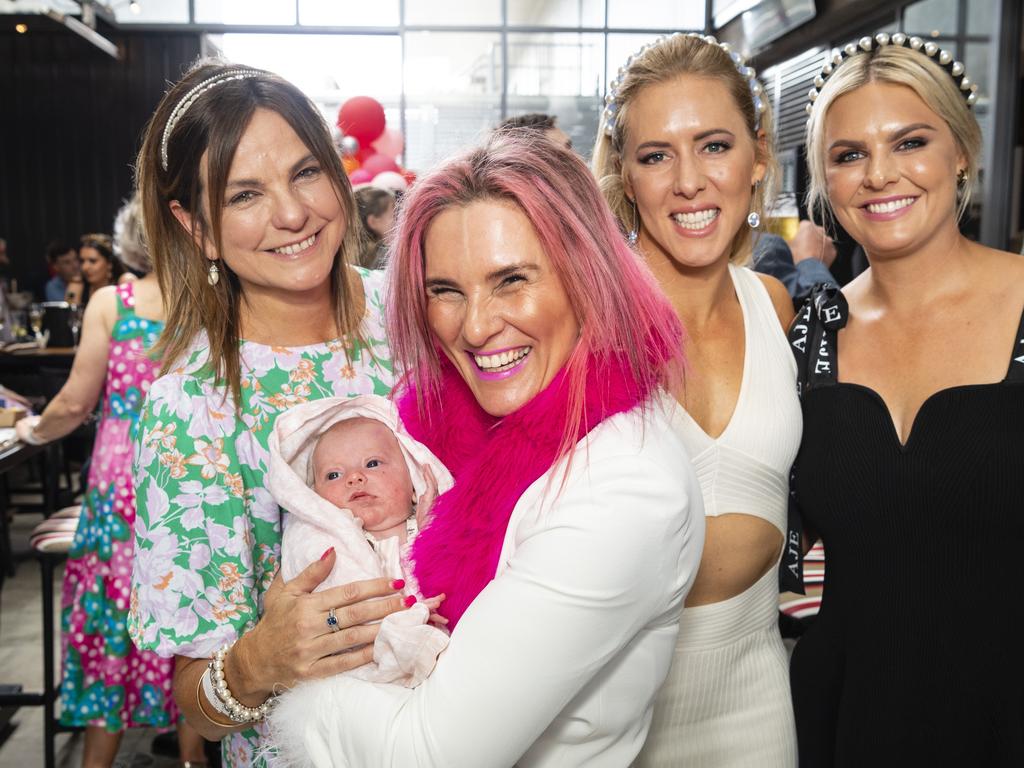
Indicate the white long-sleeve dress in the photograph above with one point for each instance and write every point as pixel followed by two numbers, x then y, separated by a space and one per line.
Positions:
pixel 558 660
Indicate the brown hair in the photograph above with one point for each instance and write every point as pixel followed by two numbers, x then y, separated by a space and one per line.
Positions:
pixel 211 127
pixel 677 55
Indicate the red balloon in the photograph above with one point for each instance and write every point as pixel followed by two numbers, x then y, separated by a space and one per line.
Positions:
pixel 362 117
pixel 378 163
pixel 360 176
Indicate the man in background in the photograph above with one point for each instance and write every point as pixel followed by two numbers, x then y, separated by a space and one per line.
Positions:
pixel 63 261
pixel 537 121
pixel 800 263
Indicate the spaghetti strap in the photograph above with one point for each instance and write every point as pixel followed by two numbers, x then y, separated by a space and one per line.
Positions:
pixel 1015 373
pixel 125 299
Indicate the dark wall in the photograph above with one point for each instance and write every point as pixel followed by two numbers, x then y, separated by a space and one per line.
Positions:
pixel 71 121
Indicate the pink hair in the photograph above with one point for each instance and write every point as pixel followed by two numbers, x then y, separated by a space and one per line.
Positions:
pixel 620 308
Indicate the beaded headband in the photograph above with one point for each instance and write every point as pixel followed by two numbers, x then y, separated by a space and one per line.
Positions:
pixel 943 58
pixel 748 73
pixel 192 96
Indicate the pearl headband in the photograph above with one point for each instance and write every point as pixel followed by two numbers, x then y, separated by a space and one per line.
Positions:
pixel 968 89
pixel 756 91
pixel 192 96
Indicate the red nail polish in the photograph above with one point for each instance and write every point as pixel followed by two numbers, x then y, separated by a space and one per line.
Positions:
pixel 398 584
pixel 326 553
pixel 410 601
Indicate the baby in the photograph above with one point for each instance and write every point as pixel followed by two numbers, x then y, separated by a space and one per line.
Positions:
pixel 358 465
pixel 348 476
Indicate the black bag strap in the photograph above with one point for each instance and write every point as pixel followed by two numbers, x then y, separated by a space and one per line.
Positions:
pixel 812 338
pixel 1016 370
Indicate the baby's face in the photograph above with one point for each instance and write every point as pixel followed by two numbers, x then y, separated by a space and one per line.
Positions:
pixel 358 465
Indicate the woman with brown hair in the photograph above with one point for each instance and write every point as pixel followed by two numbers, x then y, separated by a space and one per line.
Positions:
pixel 253 230
pixel 100 267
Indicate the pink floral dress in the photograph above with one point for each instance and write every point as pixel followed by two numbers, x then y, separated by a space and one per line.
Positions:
pixel 107 681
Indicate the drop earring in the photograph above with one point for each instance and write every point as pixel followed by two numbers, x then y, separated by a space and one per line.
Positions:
pixel 754 218
pixel 633 233
pixel 213 274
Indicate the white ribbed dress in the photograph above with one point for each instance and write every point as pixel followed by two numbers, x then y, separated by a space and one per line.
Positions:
pixel 726 702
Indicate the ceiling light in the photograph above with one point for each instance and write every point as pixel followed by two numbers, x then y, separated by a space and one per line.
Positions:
pixel 134 7
pixel 21 29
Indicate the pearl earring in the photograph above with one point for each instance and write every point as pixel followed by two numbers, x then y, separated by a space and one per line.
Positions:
pixel 213 275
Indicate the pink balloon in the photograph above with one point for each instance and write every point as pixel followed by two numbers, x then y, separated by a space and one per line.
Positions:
pixel 378 163
pixel 360 176
pixel 391 143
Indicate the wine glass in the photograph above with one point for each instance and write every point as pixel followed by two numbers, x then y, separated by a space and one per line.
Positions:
pixel 75 321
pixel 35 319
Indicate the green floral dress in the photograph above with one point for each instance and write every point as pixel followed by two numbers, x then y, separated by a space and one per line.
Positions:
pixel 208 534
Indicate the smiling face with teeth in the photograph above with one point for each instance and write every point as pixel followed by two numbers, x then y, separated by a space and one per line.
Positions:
pixel 891 169
pixel 282 221
pixel 690 164
pixel 495 303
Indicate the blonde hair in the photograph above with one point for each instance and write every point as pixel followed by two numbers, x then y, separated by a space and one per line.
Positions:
pixel 130 236
pixel 212 127
pixel 895 65
pixel 660 63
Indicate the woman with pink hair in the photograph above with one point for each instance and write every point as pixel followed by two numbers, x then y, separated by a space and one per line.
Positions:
pixel 538 350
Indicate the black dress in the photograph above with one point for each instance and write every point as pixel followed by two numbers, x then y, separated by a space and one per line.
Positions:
pixel 917 655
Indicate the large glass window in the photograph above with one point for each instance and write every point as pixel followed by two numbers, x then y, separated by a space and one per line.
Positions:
pixel 245 12
pixel 443 87
pixel 452 12
pixel 345 13
pixel 931 18
pixel 670 15
pixel 559 13
pixel 560 75
pixel 453 83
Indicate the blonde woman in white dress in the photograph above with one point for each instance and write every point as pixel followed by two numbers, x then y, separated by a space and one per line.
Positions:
pixel 684 158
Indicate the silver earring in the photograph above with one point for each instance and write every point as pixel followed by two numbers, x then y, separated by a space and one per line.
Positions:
pixel 754 218
pixel 633 234
pixel 213 275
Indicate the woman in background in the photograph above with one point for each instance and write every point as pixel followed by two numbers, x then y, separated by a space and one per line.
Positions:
pixel 108 684
pixel 100 268
pixel 377 215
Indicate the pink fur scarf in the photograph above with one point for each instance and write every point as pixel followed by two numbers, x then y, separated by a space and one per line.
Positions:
pixel 494 461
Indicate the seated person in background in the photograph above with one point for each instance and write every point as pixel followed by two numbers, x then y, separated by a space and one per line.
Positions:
pixel 800 263
pixel 377 215
pixel 538 121
pixel 62 259
pixel 351 479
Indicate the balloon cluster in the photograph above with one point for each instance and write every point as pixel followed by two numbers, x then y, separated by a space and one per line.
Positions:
pixel 369 149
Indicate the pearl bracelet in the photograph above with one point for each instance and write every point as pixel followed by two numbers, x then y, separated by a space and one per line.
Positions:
pixel 235 709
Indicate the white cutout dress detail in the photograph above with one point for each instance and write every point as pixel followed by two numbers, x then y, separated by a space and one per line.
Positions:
pixel 726 702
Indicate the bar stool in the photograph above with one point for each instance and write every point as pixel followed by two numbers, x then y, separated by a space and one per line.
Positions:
pixel 50 542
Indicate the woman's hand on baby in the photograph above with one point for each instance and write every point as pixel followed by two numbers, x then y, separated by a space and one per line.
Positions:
pixel 293 640
pixel 426 500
